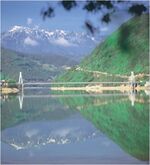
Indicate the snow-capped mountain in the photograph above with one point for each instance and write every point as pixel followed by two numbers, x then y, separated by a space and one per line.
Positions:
pixel 40 41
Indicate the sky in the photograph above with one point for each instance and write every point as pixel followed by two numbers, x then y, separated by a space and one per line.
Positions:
pixel 27 13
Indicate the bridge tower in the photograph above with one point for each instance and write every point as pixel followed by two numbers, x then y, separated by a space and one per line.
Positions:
pixel 20 82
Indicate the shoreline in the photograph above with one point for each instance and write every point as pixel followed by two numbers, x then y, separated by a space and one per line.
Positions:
pixel 99 88
pixel 6 90
pixel 95 88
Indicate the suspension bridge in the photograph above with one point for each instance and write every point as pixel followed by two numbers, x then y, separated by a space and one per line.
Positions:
pixel 21 96
pixel 42 85
pixel 30 85
pixel 97 87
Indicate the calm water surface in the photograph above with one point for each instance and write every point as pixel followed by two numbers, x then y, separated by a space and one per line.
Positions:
pixel 75 128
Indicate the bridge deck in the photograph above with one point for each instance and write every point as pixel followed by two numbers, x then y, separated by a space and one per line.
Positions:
pixel 63 83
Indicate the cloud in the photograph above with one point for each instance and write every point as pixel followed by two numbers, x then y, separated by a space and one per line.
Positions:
pixel 63 42
pixel 29 21
pixel 104 29
pixel 31 42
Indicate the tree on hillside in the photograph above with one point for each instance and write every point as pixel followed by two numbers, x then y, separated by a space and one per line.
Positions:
pixel 107 7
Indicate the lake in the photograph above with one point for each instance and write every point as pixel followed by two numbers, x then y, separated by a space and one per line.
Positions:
pixel 69 127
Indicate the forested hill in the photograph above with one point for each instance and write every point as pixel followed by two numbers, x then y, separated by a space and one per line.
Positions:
pixel 15 62
pixel 125 50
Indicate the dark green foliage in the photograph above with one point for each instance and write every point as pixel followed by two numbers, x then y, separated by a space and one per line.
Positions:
pixel 90 6
pixel 137 9
pixel 90 27
pixel 123 40
pixel 95 6
pixel 49 12
pixel 68 5
pixel 106 18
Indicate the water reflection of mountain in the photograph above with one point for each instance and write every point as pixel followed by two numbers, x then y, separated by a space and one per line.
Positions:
pixel 125 124
pixel 36 134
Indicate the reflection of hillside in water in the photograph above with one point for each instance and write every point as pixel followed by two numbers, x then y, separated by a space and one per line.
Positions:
pixel 115 115
pixel 36 105
pixel 34 109
pixel 124 123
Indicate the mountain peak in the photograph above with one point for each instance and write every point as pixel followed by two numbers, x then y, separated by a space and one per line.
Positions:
pixel 15 28
pixel 36 40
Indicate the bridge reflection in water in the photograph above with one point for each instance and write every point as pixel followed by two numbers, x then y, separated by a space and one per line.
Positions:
pixel 131 95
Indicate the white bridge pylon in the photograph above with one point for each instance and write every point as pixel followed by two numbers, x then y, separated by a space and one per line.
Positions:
pixel 20 82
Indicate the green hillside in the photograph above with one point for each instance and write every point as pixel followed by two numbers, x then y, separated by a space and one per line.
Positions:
pixel 14 62
pixel 125 50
